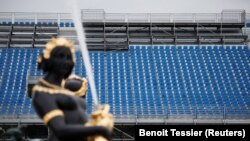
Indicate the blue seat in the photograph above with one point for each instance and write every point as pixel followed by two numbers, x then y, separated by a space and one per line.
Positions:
pixel 248 24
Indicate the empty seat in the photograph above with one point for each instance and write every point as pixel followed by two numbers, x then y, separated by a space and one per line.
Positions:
pixel 172 81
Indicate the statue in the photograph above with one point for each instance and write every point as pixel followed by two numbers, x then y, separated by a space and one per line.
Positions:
pixel 59 99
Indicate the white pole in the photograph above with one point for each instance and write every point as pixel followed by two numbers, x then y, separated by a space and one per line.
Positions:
pixel 76 16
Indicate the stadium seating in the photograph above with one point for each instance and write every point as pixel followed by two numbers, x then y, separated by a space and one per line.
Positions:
pixel 14 73
pixel 27 35
pixel 169 81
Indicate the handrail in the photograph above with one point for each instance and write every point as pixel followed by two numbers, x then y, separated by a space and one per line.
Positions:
pixel 101 16
pixel 181 112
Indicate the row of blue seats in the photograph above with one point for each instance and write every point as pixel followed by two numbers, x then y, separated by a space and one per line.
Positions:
pixel 61 24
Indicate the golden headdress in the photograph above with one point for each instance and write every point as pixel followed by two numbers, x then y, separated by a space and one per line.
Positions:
pixel 57 42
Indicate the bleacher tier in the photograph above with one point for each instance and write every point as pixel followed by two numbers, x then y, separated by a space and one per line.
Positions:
pixel 164 81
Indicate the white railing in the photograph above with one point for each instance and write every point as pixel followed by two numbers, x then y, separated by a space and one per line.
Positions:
pixel 195 113
pixel 6 17
pixel 165 17
pixel 248 17
pixel 101 16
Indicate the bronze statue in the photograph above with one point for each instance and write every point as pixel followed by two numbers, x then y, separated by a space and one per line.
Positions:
pixel 59 100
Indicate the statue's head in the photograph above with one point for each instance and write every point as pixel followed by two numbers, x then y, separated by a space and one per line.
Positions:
pixel 58 57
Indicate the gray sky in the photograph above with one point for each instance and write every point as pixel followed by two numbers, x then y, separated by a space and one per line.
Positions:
pixel 126 6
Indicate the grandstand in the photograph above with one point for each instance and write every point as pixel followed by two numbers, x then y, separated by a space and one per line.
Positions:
pixel 150 68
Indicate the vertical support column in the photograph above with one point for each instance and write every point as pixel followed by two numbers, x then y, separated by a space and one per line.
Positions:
pixel 222 40
pixel 149 17
pixel 34 36
pixel 173 29
pixel 224 112
pixel 197 29
pixel 12 18
pixel 243 17
pixel 221 28
pixel 10 36
pixel 104 32
pixel 174 34
pixel 194 17
pixel 150 33
pixel 36 19
pixel 197 33
pixel 58 19
pixel 221 23
pixel 216 18
pixel 196 114
pixel 104 36
pixel 127 30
